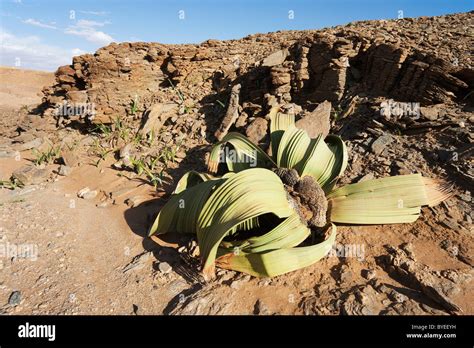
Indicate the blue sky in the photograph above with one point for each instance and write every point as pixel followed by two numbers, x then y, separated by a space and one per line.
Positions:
pixel 43 34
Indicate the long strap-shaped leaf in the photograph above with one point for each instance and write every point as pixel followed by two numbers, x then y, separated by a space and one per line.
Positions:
pixel 181 212
pixel 292 149
pixel 326 162
pixel 276 262
pixel 246 153
pixel 245 195
pixel 289 233
pixel 396 199
pixel 192 178
pixel 279 123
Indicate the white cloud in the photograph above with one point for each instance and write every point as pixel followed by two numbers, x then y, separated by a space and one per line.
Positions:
pixel 77 51
pixel 38 23
pixel 32 53
pixel 86 29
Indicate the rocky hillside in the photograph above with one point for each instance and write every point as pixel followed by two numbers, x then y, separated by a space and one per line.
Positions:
pixel 426 60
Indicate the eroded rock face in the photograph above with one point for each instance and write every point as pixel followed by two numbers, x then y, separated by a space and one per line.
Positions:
pixel 401 59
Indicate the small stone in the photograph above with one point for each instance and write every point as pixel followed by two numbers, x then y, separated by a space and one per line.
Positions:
pixel 369 274
pixel 90 195
pixel 33 144
pixel 345 275
pixel 69 158
pixel 446 156
pixel 9 153
pixel 118 165
pixel 260 308
pixel 156 116
pixel 451 224
pixel 125 152
pixel 466 197
pixel 86 193
pixel 82 191
pixel 165 267
pixel 397 297
pixel 30 175
pixel 138 262
pixel 430 113
pixel 135 201
pixel 15 298
pixel 64 170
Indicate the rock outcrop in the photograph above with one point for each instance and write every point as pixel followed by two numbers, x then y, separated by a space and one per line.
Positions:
pixel 401 59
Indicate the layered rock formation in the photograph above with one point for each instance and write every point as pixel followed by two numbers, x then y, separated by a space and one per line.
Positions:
pixel 426 60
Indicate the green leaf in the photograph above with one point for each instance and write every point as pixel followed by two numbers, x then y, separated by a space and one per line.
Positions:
pixel 292 149
pixel 279 123
pixel 181 212
pixel 241 197
pixel 275 262
pixel 246 154
pixel 192 178
pixel 326 162
pixel 289 233
pixel 396 199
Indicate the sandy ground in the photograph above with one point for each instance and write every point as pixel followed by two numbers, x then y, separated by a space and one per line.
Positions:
pixel 19 87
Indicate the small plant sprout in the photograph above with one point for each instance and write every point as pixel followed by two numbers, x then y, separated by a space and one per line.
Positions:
pixel 220 103
pixel 47 156
pixel 178 92
pixel 100 151
pixel 11 184
pixel 148 167
pixel 134 106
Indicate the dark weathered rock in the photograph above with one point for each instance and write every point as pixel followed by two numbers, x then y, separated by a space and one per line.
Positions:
pixel 231 115
pixel 383 58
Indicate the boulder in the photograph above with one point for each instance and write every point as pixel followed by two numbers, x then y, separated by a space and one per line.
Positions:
pixel 257 130
pixel 156 116
pixel 318 121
